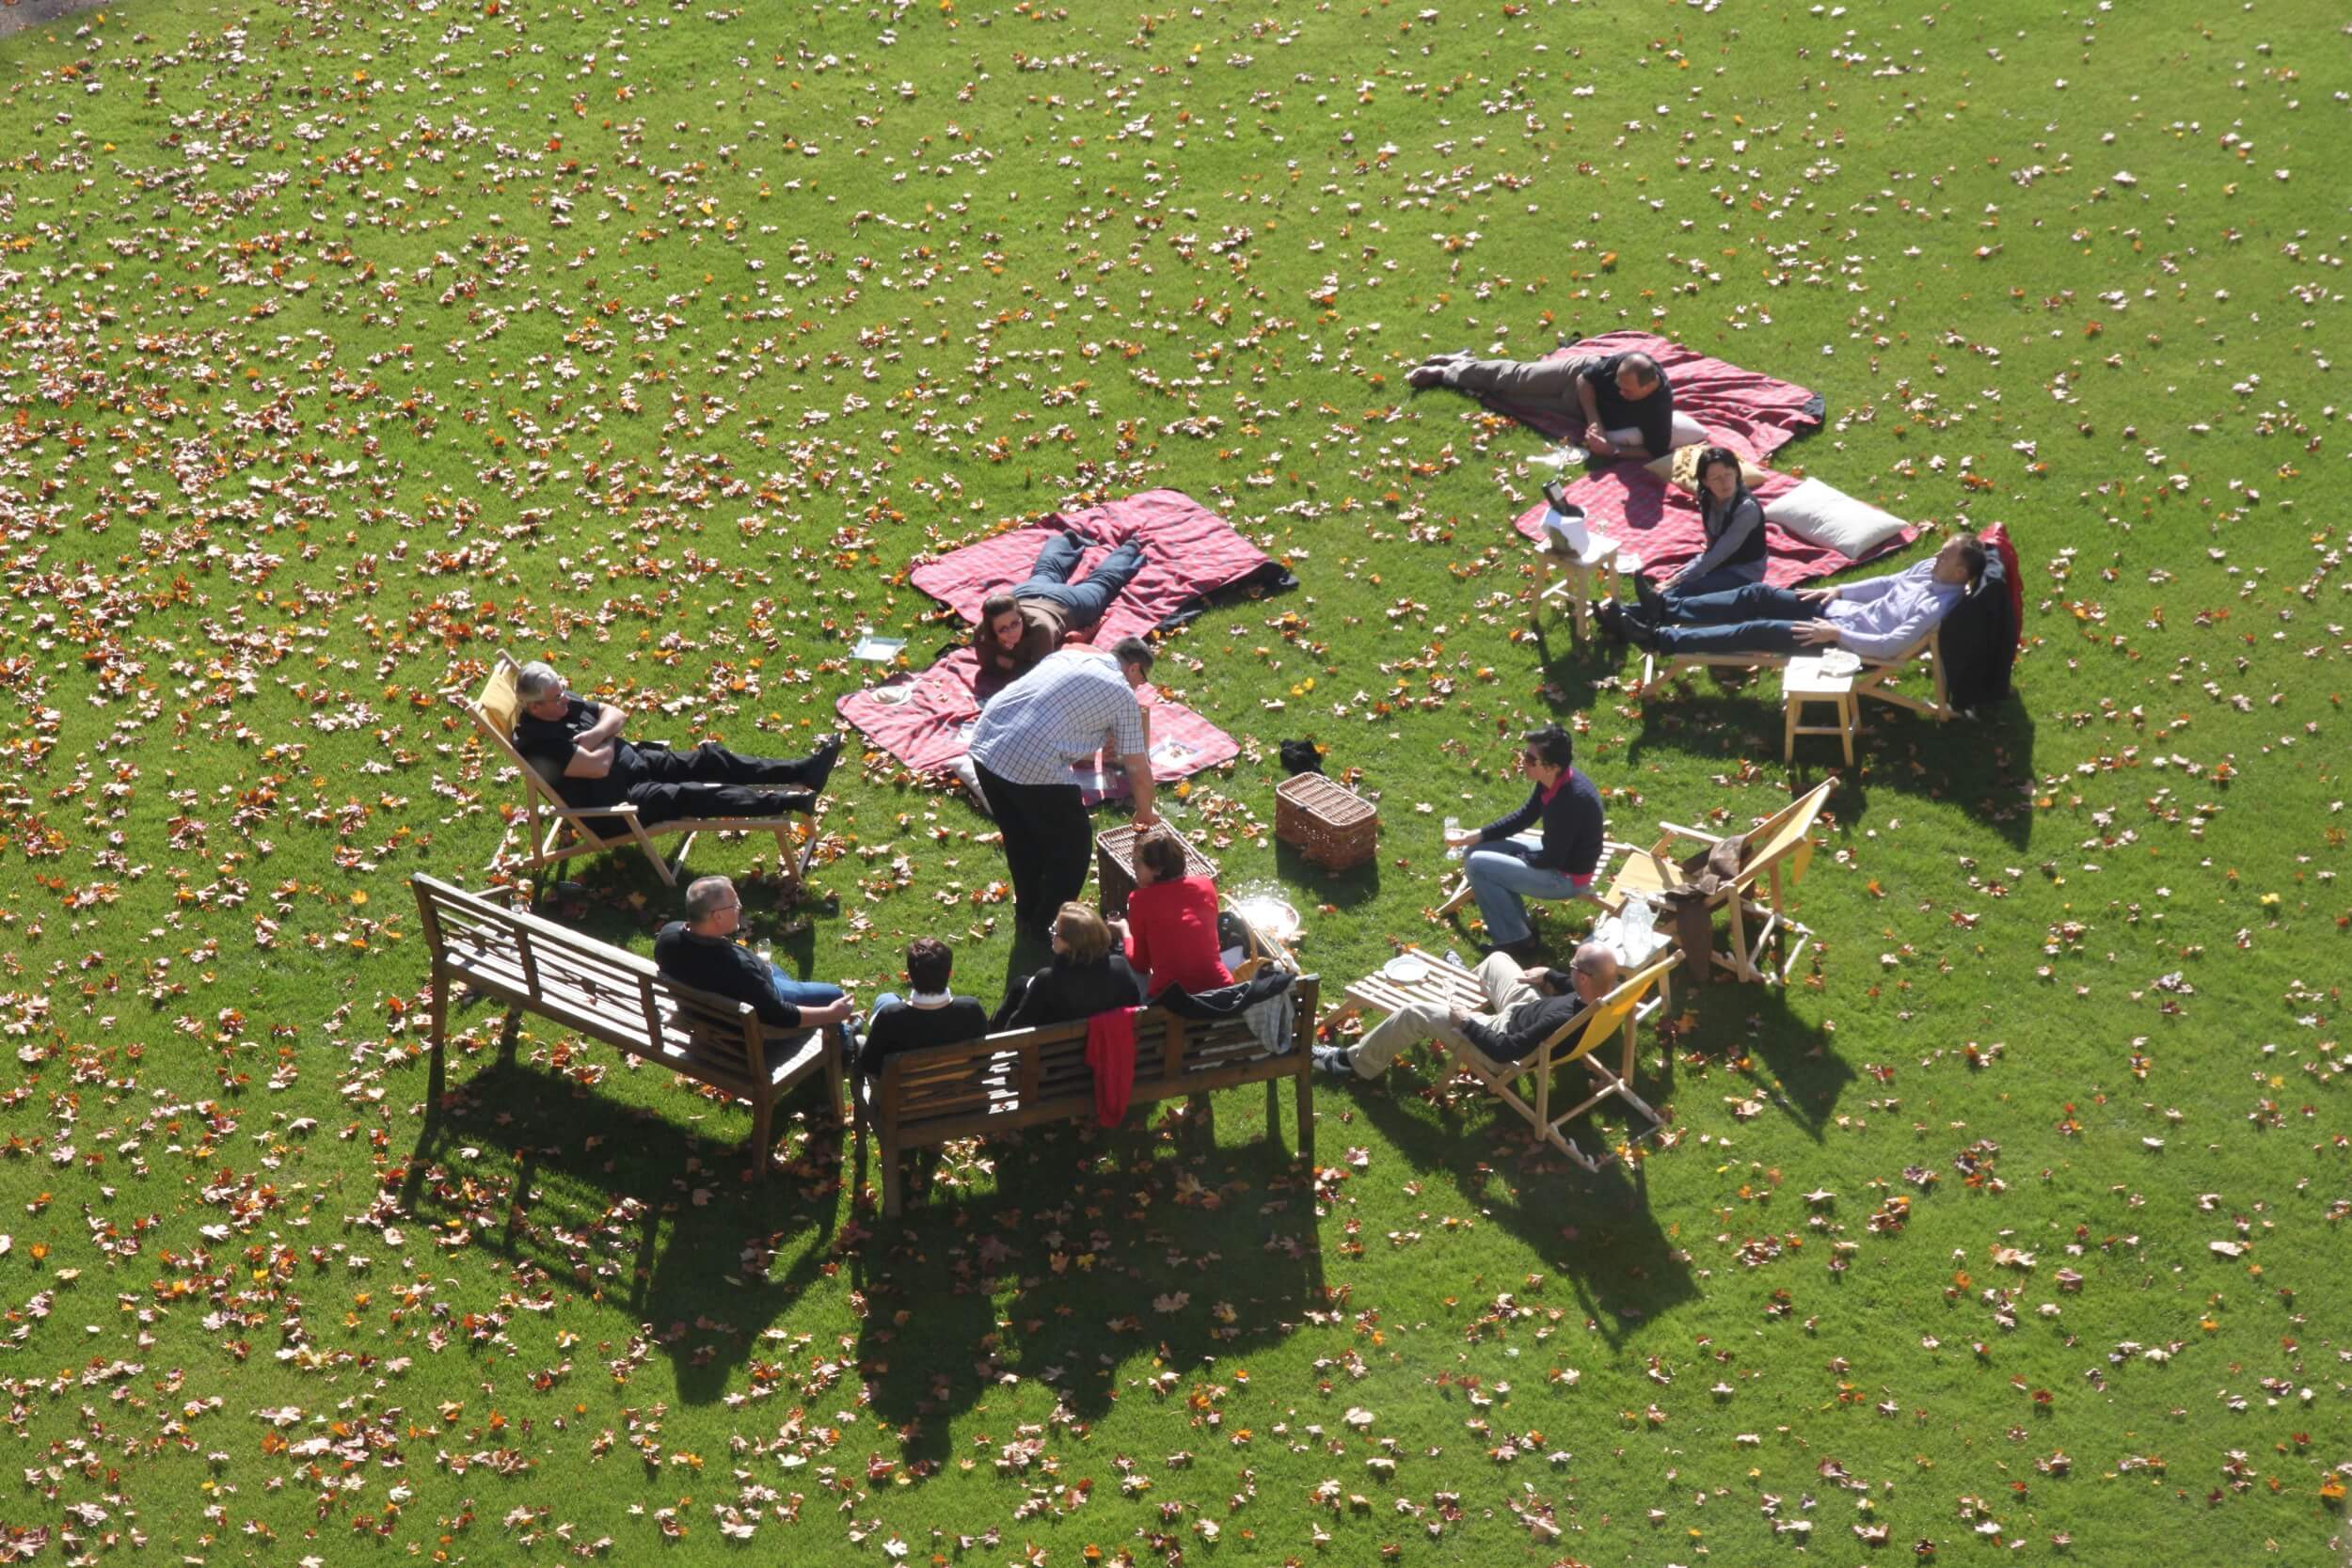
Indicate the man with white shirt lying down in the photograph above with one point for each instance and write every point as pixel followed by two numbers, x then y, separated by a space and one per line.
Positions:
pixel 1875 618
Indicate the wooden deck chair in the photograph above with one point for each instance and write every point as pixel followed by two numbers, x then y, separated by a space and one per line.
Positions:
pixel 1875 680
pixel 554 831
pixel 1579 1040
pixel 1777 852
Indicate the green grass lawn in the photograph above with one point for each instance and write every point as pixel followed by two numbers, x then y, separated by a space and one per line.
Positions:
pixel 345 345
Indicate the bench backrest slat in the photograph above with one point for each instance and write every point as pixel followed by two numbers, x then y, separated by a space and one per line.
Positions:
pixel 633 1004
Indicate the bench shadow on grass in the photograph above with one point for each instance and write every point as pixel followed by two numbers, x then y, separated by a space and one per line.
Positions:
pixel 1595 1229
pixel 1982 765
pixel 964 1298
pixel 618 1211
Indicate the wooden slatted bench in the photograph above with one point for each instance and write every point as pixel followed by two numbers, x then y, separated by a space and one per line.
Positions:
pixel 616 996
pixel 1029 1077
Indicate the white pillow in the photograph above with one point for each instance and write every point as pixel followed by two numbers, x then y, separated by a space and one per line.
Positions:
pixel 1686 432
pixel 1823 514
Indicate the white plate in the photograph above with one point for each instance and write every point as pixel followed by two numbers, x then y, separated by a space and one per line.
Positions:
pixel 1406 968
pixel 1840 662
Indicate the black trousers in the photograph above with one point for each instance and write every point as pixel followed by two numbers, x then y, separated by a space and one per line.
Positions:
pixel 1049 844
pixel 712 782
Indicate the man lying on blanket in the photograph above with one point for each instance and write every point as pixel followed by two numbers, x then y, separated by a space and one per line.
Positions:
pixel 1620 403
pixel 1875 618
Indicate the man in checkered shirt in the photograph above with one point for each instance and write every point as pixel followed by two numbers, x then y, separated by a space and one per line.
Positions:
pixel 1070 706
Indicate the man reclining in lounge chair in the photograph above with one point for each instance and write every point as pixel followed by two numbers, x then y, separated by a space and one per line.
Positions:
pixel 1875 618
pixel 1526 1008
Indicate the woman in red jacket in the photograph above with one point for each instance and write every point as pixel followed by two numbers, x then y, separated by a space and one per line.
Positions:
pixel 1171 929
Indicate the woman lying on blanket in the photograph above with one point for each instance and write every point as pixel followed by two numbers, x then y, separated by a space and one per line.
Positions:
pixel 1734 555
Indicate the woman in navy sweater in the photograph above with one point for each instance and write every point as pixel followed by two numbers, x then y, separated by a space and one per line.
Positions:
pixel 1504 874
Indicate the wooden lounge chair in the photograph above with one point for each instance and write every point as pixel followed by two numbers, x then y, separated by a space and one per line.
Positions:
pixel 1579 1040
pixel 1777 853
pixel 554 831
pixel 1875 680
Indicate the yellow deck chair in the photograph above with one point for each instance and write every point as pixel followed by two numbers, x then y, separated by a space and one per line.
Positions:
pixel 1579 1040
pixel 1777 852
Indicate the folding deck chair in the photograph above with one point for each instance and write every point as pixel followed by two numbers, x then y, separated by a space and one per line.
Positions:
pixel 1777 852
pixel 554 831
pixel 1579 1040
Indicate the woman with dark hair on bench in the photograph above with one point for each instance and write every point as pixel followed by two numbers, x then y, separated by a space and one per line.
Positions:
pixel 1084 978
pixel 1171 930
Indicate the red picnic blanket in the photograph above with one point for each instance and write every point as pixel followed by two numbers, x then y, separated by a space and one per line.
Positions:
pixel 1752 414
pixel 925 720
pixel 1189 551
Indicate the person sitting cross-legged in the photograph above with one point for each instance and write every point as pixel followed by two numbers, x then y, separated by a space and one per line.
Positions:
pixel 701 951
pixel 929 1014
pixel 1504 873
pixel 1876 618
pixel 1526 1008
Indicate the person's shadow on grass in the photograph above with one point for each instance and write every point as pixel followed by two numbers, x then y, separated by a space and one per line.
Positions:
pixel 1596 1229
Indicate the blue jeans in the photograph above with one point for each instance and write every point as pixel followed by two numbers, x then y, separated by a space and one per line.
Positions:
pixel 887 999
pixel 1499 873
pixel 1752 620
pixel 807 993
pixel 1084 601
pixel 1722 580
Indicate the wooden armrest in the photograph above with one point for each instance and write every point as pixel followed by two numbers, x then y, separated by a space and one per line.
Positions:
pixel 1681 831
pixel 627 808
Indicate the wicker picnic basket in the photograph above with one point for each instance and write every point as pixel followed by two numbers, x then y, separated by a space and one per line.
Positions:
pixel 1327 822
pixel 1115 867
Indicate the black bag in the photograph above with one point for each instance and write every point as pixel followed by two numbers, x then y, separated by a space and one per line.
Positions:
pixel 1300 756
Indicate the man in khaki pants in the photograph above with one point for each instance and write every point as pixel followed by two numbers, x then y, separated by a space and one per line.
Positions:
pixel 1525 1011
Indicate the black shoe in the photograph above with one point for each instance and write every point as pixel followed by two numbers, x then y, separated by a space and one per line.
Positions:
pixel 1641 634
pixel 1653 605
pixel 828 751
pixel 1612 616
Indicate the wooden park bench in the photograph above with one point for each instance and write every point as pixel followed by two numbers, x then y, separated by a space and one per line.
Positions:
pixel 1030 1077
pixel 554 831
pixel 614 995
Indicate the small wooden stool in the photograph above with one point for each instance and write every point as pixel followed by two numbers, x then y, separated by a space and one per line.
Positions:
pixel 1805 681
pixel 1574 574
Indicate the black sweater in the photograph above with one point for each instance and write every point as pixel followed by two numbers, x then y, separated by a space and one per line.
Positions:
pixel 1064 992
pixel 1572 825
pixel 906 1027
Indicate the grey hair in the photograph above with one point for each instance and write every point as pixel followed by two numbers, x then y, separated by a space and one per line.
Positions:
pixel 537 682
pixel 707 896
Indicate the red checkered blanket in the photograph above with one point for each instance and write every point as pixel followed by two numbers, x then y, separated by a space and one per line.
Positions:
pixel 1189 551
pixel 1753 414
pixel 925 720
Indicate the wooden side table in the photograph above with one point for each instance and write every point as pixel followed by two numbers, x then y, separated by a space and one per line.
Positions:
pixel 1806 680
pixel 1574 574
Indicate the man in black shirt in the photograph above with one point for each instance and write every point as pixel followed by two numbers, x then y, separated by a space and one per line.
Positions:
pixel 931 1015
pixel 1617 405
pixel 1527 1011
pixel 575 745
pixel 701 951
